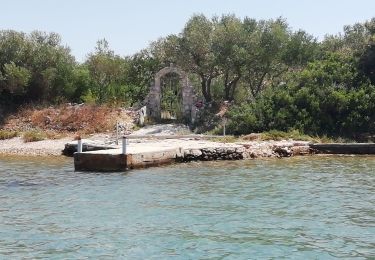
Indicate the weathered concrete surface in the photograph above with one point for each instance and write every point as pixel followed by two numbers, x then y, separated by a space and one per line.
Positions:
pixel 87 145
pixel 113 160
pixel 350 148
pixel 155 158
pixel 101 162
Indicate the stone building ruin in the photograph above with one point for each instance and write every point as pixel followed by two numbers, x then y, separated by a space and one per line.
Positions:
pixel 153 101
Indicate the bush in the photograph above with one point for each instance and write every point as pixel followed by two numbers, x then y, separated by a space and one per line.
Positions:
pixel 242 120
pixel 33 136
pixel 5 134
pixel 311 109
pixel 208 121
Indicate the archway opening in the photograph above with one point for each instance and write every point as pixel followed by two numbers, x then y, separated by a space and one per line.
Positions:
pixel 171 105
pixel 171 97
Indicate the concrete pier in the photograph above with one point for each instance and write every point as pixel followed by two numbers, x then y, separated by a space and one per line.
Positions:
pixel 344 148
pixel 139 154
pixel 155 153
pixel 114 160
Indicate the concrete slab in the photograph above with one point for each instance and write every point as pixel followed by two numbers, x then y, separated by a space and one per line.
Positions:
pixel 136 157
pixel 347 148
pixel 139 155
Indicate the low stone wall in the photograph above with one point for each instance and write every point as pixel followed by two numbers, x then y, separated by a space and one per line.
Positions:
pixel 276 149
pixel 212 154
pixel 247 151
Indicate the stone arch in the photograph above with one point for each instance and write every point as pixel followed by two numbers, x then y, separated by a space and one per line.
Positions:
pixel 154 96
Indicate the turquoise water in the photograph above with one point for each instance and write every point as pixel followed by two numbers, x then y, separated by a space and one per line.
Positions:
pixel 298 208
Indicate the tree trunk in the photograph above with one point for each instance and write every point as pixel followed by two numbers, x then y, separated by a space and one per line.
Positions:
pixel 230 86
pixel 226 87
pixel 206 88
pixel 233 88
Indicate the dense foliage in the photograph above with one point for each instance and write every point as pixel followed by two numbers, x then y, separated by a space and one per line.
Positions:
pixel 274 77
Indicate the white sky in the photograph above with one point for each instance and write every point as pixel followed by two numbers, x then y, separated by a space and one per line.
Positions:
pixel 130 26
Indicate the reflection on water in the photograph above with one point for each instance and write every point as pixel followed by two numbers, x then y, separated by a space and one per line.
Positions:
pixel 298 208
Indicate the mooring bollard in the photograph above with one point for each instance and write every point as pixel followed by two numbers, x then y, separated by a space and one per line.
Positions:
pixel 79 146
pixel 124 143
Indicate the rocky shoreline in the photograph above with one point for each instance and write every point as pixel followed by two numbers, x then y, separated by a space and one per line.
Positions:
pixel 193 149
pixel 142 153
pixel 249 150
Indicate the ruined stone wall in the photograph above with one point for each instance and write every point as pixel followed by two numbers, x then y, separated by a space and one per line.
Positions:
pixel 154 97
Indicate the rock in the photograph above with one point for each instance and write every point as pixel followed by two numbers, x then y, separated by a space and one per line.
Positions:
pixel 193 152
pixel 240 150
pixel 301 150
pixel 283 151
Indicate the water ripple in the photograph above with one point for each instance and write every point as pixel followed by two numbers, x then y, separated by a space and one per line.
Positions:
pixel 297 208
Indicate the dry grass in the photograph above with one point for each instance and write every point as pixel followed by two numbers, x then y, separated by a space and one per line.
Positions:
pixel 91 119
pixel 280 135
pixel 34 136
pixel 225 139
pixel 56 121
pixel 53 135
pixel 5 134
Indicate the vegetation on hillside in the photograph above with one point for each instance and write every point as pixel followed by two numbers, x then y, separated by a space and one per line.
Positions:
pixel 274 78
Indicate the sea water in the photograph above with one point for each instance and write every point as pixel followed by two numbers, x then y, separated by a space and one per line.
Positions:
pixel 297 208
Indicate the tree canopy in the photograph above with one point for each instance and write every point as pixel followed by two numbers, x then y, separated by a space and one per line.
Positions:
pixel 274 77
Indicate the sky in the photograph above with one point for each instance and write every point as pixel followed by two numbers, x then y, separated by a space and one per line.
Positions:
pixel 130 26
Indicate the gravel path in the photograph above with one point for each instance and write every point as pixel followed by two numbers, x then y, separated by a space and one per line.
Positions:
pixel 163 129
pixel 16 146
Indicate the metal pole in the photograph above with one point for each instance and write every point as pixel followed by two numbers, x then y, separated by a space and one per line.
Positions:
pixel 124 140
pixel 79 146
pixel 224 123
pixel 116 133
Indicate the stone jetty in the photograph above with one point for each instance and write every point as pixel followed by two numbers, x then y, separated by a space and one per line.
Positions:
pixel 143 153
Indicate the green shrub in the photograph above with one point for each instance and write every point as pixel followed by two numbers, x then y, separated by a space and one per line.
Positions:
pixel 314 110
pixel 5 134
pixel 34 136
